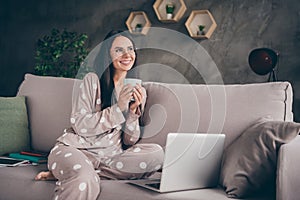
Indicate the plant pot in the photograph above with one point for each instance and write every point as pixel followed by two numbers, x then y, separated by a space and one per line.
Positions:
pixel 170 10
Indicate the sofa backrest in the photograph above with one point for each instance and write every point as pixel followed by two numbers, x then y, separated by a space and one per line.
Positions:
pixel 49 101
pixel 200 108
pixel 169 108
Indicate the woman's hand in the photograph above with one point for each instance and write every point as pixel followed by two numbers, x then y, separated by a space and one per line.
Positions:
pixel 138 97
pixel 124 97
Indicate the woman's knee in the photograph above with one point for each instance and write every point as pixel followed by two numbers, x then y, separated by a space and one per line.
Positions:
pixel 66 162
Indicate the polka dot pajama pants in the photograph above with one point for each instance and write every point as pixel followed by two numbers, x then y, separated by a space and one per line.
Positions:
pixel 79 171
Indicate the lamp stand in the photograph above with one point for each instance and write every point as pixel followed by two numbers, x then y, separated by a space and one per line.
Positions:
pixel 272 75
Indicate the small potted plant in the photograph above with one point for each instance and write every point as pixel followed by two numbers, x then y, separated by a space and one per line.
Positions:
pixel 138 28
pixel 201 30
pixel 170 10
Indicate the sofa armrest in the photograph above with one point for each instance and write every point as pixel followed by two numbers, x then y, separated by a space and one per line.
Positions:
pixel 288 171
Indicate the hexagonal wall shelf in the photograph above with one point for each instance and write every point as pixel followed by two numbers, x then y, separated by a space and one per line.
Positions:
pixel 169 11
pixel 138 23
pixel 201 24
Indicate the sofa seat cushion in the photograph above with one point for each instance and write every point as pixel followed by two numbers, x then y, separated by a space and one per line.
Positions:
pixel 19 183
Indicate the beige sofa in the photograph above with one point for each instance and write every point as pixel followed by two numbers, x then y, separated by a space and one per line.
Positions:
pixel 170 108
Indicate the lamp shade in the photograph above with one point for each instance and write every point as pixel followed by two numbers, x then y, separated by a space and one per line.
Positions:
pixel 262 60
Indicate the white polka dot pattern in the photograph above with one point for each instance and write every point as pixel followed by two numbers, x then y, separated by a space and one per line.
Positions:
pixel 136 150
pixel 89 115
pixel 119 165
pixel 77 166
pixel 130 128
pixel 157 167
pixel 110 135
pixel 83 96
pixel 98 101
pixel 68 155
pixel 59 152
pixel 143 165
pixel 118 110
pixel 83 130
pixel 102 120
pixel 53 166
pixel 94 86
pixel 83 111
pixel 61 172
pixel 81 141
pixel 88 162
pixel 54 148
pixel 72 120
pixel 82 186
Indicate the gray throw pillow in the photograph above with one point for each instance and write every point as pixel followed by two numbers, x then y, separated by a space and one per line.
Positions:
pixel 249 163
pixel 14 131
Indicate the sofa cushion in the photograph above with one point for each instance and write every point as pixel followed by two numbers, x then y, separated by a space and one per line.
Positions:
pixel 49 101
pixel 225 109
pixel 14 131
pixel 249 163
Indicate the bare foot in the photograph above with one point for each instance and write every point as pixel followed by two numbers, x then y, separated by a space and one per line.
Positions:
pixel 43 176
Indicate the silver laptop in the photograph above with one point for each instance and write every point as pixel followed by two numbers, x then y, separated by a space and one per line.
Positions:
pixel 192 161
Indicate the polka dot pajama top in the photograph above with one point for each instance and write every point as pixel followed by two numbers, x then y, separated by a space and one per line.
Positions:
pixel 92 146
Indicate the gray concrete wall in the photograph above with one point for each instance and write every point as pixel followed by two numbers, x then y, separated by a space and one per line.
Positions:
pixel 242 26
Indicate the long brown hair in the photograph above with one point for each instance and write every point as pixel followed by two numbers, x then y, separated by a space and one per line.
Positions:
pixel 104 67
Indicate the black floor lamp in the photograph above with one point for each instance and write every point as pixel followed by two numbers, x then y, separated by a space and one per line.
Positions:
pixel 263 61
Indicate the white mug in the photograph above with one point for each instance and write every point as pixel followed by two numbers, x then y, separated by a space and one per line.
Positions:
pixel 133 82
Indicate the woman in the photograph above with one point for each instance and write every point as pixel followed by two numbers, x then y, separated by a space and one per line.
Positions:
pixel 104 121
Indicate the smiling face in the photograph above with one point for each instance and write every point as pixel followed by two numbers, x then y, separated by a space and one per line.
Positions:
pixel 122 54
